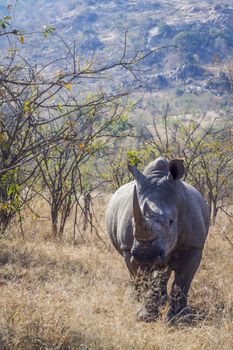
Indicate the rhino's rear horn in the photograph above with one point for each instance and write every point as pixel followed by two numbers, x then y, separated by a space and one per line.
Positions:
pixel 138 176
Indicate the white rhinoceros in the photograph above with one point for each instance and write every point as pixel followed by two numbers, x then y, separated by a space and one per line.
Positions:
pixel 160 223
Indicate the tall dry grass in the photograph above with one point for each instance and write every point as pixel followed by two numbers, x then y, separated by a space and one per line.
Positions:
pixel 54 295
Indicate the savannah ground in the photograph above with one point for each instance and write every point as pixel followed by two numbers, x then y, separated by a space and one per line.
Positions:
pixel 55 295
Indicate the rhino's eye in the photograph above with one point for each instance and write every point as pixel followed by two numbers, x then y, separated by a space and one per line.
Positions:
pixel 170 222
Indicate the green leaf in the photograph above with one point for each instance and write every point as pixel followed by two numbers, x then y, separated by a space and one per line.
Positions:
pixel 67 86
pixel 22 39
pixel 26 106
pixel 133 157
pixel 48 30
pixel 2 24
pixel 60 107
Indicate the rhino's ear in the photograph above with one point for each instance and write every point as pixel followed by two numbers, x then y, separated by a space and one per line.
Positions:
pixel 176 169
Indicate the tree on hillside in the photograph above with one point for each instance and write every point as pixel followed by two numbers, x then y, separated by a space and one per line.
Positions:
pixel 206 148
pixel 61 167
pixel 48 106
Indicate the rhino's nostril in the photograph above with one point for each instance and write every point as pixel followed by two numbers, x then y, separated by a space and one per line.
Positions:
pixel 144 252
pixel 162 256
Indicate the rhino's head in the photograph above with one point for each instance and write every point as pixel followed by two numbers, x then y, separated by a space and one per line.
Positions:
pixel 155 212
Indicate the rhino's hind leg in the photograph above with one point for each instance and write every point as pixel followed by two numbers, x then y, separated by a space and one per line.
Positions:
pixel 188 263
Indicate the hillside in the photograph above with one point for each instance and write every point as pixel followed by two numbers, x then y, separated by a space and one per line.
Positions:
pixel 74 116
pixel 61 296
pixel 201 32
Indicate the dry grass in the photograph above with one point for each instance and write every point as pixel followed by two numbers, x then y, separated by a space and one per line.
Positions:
pixel 59 296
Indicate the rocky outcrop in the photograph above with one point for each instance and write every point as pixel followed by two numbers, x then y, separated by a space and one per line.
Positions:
pixel 160 82
pixel 194 33
pixel 219 84
pixel 193 71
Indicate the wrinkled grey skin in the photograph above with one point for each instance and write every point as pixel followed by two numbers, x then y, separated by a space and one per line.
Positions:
pixel 159 222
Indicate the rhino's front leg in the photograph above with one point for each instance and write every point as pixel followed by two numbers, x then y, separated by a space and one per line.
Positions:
pixel 132 267
pixel 164 277
pixel 150 288
pixel 154 295
pixel 188 263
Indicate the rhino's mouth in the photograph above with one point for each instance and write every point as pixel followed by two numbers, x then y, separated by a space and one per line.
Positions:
pixel 148 253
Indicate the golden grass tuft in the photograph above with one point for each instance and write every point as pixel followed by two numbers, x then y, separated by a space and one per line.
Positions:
pixel 54 295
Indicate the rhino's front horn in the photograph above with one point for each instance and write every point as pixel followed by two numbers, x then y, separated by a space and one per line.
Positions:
pixel 139 233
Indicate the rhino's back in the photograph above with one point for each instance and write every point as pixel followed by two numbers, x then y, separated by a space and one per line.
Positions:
pixel 119 217
pixel 195 217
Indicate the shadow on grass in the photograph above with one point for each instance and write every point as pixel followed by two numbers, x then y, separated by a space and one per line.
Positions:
pixel 191 316
pixel 71 340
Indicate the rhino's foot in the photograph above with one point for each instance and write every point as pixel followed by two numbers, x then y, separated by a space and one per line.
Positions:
pixel 186 316
pixel 145 315
pixel 174 317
